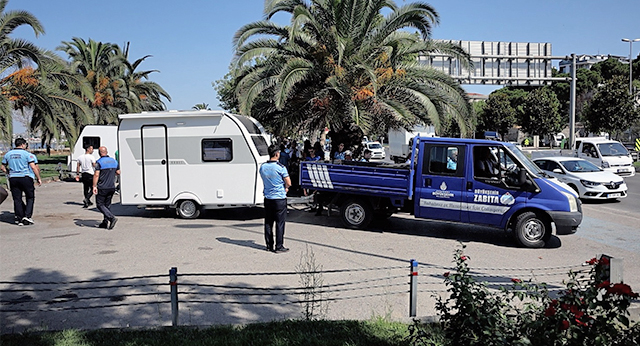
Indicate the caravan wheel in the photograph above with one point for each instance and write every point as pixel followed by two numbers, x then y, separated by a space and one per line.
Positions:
pixel 188 209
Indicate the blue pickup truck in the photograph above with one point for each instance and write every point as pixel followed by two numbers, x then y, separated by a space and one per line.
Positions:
pixel 473 181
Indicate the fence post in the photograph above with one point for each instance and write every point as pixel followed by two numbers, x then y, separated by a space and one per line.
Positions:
pixel 173 282
pixel 413 288
pixel 612 271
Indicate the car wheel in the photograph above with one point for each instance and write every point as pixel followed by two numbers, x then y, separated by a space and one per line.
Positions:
pixel 188 209
pixel 531 231
pixel 356 213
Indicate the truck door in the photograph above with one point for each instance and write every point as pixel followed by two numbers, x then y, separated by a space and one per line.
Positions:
pixel 492 191
pixel 155 168
pixel 440 182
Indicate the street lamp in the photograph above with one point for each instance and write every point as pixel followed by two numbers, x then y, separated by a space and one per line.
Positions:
pixel 630 70
pixel 630 62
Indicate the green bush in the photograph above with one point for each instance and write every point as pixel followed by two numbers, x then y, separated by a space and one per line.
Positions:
pixel 591 311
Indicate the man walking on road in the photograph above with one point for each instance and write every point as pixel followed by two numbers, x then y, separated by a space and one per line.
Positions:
pixel 85 171
pixel 276 184
pixel 104 186
pixel 21 168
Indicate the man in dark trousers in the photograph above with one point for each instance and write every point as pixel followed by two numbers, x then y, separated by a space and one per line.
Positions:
pixel 104 186
pixel 276 184
pixel 22 169
pixel 84 173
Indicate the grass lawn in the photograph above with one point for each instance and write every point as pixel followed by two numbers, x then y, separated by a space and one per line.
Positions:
pixel 47 164
pixel 306 333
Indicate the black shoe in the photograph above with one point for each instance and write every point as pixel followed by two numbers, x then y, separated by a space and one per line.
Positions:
pixel 89 203
pixel 85 206
pixel 113 223
pixel 281 250
pixel 104 224
pixel 270 249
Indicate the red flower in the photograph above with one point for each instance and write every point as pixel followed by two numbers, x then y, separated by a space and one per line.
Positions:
pixel 580 323
pixel 564 325
pixel 517 281
pixel 622 289
pixel 550 311
pixel 554 302
pixel 446 275
pixel 464 258
pixel 604 284
pixel 579 314
pixel 592 261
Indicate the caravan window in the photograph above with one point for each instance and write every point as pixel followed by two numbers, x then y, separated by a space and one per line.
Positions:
pixel 261 145
pixel 249 124
pixel 90 141
pixel 217 150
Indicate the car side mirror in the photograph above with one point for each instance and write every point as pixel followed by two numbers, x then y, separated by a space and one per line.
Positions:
pixel 557 170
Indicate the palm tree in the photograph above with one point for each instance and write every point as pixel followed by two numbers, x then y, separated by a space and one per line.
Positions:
pixel 117 87
pixel 342 64
pixel 200 106
pixel 14 54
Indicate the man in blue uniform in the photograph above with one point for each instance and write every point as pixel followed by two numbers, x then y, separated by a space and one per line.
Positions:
pixel 276 184
pixel 104 186
pixel 21 168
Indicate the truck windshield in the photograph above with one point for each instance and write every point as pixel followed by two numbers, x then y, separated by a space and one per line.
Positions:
pixel 612 149
pixel 522 158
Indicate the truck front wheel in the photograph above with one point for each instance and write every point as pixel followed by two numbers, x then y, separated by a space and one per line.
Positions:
pixel 188 209
pixel 356 213
pixel 532 231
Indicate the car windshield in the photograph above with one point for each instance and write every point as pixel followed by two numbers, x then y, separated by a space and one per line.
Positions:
pixel 375 146
pixel 580 166
pixel 524 159
pixel 612 149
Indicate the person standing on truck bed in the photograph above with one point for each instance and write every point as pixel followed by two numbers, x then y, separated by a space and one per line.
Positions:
pixel 84 173
pixel 276 184
pixel 104 186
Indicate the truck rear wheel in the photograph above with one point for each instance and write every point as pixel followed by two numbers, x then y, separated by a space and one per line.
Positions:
pixel 532 231
pixel 188 209
pixel 356 213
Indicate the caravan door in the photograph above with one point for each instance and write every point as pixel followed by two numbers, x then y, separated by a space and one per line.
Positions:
pixel 155 167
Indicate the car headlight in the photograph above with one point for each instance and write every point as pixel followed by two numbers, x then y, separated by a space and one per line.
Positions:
pixel 573 202
pixel 605 164
pixel 588 183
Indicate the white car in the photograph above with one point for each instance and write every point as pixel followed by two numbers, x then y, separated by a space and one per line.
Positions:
pixel 377 151
pixel 587 179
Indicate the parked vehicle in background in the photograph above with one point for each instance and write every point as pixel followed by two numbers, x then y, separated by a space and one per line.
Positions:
pixel 377 151
pixel 588 180
pixel 607 154
pixel 96 136
pixel 400 141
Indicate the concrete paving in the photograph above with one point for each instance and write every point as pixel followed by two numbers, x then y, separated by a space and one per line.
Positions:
pixel 220 259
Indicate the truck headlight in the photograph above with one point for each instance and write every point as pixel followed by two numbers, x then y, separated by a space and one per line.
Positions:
pixel 573 202
pixel 605 164
pixel 588 183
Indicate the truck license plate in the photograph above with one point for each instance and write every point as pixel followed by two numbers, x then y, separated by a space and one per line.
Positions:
pixel 614 195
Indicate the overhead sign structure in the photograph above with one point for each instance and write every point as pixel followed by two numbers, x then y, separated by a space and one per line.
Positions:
pixel 502 63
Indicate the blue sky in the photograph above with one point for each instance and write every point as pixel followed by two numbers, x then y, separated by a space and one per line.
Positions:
pixel 191 40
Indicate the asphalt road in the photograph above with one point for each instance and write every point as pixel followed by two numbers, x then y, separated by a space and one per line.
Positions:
pixel 365 272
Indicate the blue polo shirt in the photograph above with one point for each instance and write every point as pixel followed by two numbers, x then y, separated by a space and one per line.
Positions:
pixel 18 162
pixel 107 167
pixel 273 174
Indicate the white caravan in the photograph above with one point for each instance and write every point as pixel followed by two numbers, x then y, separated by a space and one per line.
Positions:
pixel 191 160
pixel 96 136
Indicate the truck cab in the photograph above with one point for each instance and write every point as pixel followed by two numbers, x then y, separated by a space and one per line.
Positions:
pixel 493 184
